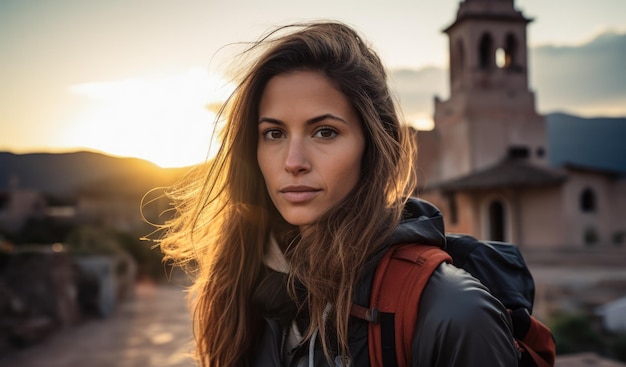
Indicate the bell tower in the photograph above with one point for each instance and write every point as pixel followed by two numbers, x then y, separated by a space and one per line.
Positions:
pixel 490 113
pixel 488 47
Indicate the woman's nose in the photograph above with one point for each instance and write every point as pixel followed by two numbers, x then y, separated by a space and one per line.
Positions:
pixel 296 161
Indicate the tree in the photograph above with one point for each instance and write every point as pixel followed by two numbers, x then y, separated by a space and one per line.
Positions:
pixel 574 333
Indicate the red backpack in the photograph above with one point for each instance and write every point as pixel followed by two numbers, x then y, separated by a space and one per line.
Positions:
pixel 400 279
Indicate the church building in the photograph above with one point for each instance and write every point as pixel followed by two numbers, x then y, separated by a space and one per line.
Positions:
pixel 485 164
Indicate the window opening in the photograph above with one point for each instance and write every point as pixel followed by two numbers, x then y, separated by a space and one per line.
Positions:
pixel 588 201
pixel 453 207
pixel 485 51
pixel 497 219
pixel 461 58
pixel 510 52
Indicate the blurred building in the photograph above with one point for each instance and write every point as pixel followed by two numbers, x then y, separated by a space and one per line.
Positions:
pixel 485 165
pixel 21 206
pixel 613 315
pixel 17 206
pixel 94 204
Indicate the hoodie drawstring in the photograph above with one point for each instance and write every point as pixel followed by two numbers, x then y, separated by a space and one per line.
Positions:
pixel 327 310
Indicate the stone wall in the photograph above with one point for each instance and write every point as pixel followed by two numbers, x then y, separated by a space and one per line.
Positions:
pixel 42 290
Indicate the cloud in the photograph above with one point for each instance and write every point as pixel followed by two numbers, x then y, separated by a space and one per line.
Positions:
pixel 587 79
pixel 194 86
pixel 584 78
pixel 165 120
pixel 415 90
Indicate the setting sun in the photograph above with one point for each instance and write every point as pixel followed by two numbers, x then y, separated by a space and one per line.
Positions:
pixel 163 120
pixel 420 122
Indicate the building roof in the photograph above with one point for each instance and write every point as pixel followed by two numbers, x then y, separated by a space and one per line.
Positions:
pixel 611 172
pixel 490 10
pixel 510 173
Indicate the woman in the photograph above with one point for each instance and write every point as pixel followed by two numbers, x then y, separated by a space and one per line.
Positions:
pixel 308 190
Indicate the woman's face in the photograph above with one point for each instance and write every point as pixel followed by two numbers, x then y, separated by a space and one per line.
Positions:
pixel 310 145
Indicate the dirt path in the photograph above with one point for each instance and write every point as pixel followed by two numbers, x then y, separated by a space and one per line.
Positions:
pixel 152 329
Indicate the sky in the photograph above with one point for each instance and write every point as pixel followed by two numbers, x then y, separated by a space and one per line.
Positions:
pixel 134 77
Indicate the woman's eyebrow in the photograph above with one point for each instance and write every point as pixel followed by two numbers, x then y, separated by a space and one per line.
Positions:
pixel 270 120
pixel 308 122
pixel 325 117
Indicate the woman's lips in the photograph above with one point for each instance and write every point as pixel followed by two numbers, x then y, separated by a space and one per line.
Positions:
pixel 299 194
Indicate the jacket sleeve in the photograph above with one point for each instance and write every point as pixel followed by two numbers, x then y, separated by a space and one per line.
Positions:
pixel 461 324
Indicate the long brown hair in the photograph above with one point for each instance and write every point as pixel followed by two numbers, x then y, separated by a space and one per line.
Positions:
pixel 224 215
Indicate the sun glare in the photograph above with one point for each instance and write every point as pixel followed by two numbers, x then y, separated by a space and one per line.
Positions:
pixel 420 122
pixel 163 120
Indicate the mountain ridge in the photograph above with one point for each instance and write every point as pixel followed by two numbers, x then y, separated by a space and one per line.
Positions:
pixel 596 142
pixel 67 173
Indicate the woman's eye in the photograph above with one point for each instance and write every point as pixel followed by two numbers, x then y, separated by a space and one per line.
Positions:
pixel 273 134
pixel 325 133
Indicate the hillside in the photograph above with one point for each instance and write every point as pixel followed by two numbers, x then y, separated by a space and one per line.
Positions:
pixel 590 142
pixel 66 173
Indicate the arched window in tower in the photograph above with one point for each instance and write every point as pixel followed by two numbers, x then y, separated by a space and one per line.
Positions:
pixel 461 57
pixel 588 201
pixel 485 52
pixel 497 221
pixel 510 52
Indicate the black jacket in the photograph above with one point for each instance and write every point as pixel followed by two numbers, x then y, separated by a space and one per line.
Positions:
pixel 460 323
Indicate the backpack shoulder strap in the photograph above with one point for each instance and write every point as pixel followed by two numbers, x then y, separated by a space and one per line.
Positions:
pixel 398 284
pixel 534 340
pixel 397 287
